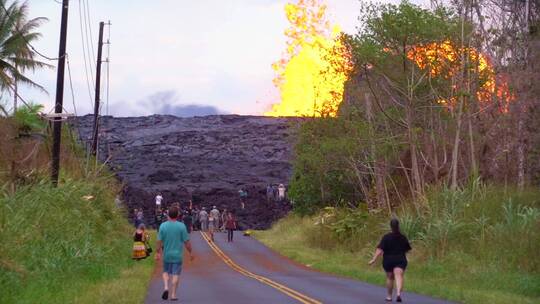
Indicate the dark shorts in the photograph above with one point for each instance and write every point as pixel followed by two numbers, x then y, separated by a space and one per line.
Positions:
pixel 390 263
pixel 172 268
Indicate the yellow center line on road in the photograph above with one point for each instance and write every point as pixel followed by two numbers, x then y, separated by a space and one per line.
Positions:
pixel 284 289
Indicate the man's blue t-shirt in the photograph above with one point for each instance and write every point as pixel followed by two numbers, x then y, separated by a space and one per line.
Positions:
pixel 173 234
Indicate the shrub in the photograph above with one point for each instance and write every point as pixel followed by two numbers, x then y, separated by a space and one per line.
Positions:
pixel 28 120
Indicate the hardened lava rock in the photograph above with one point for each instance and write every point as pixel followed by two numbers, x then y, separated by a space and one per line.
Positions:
pixel 206 159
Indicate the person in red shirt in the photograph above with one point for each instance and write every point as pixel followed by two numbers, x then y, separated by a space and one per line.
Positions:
pixel 230 225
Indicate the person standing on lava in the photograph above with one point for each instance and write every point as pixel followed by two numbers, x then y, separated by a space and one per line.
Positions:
pixel 159 199
pixel 243 197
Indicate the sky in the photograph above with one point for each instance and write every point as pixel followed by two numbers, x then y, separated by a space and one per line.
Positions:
pixel 180 57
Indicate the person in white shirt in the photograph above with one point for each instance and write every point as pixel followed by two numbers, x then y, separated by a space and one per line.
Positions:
pixel 159 198
pixel 281 192
pixel 215 214
pixel 203 218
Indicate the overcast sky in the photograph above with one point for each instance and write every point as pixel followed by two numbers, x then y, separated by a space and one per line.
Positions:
pixel 181 57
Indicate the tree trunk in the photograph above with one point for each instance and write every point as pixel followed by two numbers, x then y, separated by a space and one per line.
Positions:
pixel 521 154
pixel 455 151
pixel 377 166
pixel 415 172
pixel 474 166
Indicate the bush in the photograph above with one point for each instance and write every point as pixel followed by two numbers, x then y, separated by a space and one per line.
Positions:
pixel 28 120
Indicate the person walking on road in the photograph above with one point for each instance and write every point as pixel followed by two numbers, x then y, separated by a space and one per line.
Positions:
pixel 188 221
pixel 211 225
pixel 223 220
pixel 203 219
pixel 215 214
pixel 393 247
pixel 195 217
pixel 158 218
pixel 230 224
pixel 172 238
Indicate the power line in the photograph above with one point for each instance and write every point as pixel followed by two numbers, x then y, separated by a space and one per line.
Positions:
pixel 89 49
pixel 71 86
pixel 88 85
pixel 90 29
pixel 26 40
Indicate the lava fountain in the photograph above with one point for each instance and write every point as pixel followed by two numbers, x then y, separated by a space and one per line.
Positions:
pixel 311 74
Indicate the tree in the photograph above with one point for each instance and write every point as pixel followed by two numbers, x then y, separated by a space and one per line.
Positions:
pixel 16 54
pixel 400 54
pixel 509 32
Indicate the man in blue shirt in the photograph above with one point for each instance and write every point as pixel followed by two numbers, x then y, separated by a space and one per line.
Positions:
pixel 172 238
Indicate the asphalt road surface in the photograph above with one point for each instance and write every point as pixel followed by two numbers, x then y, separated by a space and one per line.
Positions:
pixel 247 272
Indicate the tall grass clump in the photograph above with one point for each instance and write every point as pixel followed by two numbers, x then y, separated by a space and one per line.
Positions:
pixel 493 224
pixel 56 240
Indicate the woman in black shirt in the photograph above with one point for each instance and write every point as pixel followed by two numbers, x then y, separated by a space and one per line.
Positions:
pixel 393 247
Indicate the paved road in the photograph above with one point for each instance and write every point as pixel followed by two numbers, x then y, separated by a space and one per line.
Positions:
pixel 247 272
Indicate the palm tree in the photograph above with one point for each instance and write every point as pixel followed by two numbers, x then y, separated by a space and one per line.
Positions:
pixel 16 54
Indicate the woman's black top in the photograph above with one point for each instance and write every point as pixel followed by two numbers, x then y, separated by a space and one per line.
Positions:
pixel 394 245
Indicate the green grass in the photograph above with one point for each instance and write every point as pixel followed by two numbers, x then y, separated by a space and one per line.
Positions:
pixel 69 244
pixel 130 286
pixel 470 246
pixel 60 246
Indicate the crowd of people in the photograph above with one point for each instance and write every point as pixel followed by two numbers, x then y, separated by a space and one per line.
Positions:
pixel 174 225
pixel 193 218
pixel 276 193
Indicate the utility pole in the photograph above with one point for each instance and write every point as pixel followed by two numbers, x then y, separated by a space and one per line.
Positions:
pixel 98 89
pixel 58 109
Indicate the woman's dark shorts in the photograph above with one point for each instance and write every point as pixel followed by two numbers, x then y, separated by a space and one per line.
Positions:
pixel 389 263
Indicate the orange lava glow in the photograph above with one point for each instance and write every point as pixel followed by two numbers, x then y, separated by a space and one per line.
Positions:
pixel 444 59
pixel 312 73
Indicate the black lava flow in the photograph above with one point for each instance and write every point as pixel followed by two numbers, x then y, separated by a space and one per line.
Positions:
pixel 205 159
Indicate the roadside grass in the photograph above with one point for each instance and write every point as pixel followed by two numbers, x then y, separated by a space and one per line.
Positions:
pixel 470 246
pixel 130 286
pixel 69 244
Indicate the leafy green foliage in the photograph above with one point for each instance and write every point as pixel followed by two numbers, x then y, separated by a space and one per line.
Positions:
pixel 322 174
pixel 16 56
pixel 28 120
